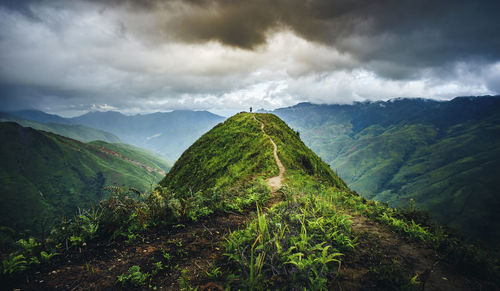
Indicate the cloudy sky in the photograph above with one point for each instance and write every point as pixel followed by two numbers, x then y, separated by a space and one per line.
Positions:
pixel 69 57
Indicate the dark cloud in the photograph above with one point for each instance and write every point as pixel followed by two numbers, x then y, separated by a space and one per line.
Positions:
pixel 204 54
pixel 395 38
pixel 417 33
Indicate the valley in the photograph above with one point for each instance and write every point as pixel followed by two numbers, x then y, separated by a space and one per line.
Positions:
pixel 47 176
pixel 440 155
pixel 225 228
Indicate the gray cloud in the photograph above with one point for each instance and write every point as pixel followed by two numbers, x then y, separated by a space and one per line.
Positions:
pixel 146 55
pixel 417 34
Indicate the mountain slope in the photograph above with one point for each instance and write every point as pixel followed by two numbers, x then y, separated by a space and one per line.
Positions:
pixel 443 155
pixel 40 116
pixel 74 131
pixel 313 234
pixel 237 151
pixel 167 133
pixel 44 175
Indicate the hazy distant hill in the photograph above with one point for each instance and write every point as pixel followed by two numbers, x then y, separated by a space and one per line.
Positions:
pixel 168 133
pixel 74 131
pixel 44 175
pixel 444 155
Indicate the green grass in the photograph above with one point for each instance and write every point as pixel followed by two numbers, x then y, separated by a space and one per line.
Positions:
pixel 444 155
pixel 44 176
pixel 231 153
pixel 299 242
pixel 236 152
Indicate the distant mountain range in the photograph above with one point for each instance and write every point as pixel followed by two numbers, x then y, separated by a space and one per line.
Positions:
pixel 45 175
pixel 167 133
pixel 74 131
pixel 445 155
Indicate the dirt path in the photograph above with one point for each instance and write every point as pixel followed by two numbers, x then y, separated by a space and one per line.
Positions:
pixel 274 183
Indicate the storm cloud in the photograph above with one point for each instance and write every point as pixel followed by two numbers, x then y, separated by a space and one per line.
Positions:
pixel 138 56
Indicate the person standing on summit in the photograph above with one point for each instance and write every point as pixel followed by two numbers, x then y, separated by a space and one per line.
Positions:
pixel 250 109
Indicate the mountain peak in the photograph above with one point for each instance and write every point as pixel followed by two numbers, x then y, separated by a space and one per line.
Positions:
pixel 240 150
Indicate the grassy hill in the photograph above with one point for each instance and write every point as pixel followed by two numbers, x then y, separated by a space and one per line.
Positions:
pixel 44 176
pixel 74 131
pixel 236 152
pixel 214 223
pixel 443 155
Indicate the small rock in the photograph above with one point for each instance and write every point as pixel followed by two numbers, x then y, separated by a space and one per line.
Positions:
pixel 54 272
pixel 41 281
pixel 444 278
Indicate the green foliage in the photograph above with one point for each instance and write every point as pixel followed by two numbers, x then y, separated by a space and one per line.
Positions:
pixel 123 215
pixel 295 155
pixel 444 155
pixel 236 152
pixel 48 176
pixel 230 154
pixel 184 281
pixel 214 272
pixel 299 241
pixel 13 264
pixel 157 267
pixel 73 131
pixel 413 230
pixel 466 257
pixel 88 221
pixel 133 277
pixel 30 253
pixel 392 277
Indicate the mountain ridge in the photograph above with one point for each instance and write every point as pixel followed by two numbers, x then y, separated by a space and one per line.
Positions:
pixel 214 218
pixel 429 152
pixel 45 175
pixel 167 133
pixel 74 131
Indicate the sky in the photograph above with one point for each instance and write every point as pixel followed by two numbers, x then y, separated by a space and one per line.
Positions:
pixel 71 57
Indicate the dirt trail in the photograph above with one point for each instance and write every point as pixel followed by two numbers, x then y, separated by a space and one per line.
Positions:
pixel 274 183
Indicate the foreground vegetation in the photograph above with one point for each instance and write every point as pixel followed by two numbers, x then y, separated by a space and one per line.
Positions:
pixel 303 240
pixel 305 236
pixel 443 155
pixel 45 176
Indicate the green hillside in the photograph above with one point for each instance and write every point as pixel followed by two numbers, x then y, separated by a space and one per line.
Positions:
pixel 443 155
pixel 74 131
pixel 215 223
pixel 44 175
pixel 236 152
